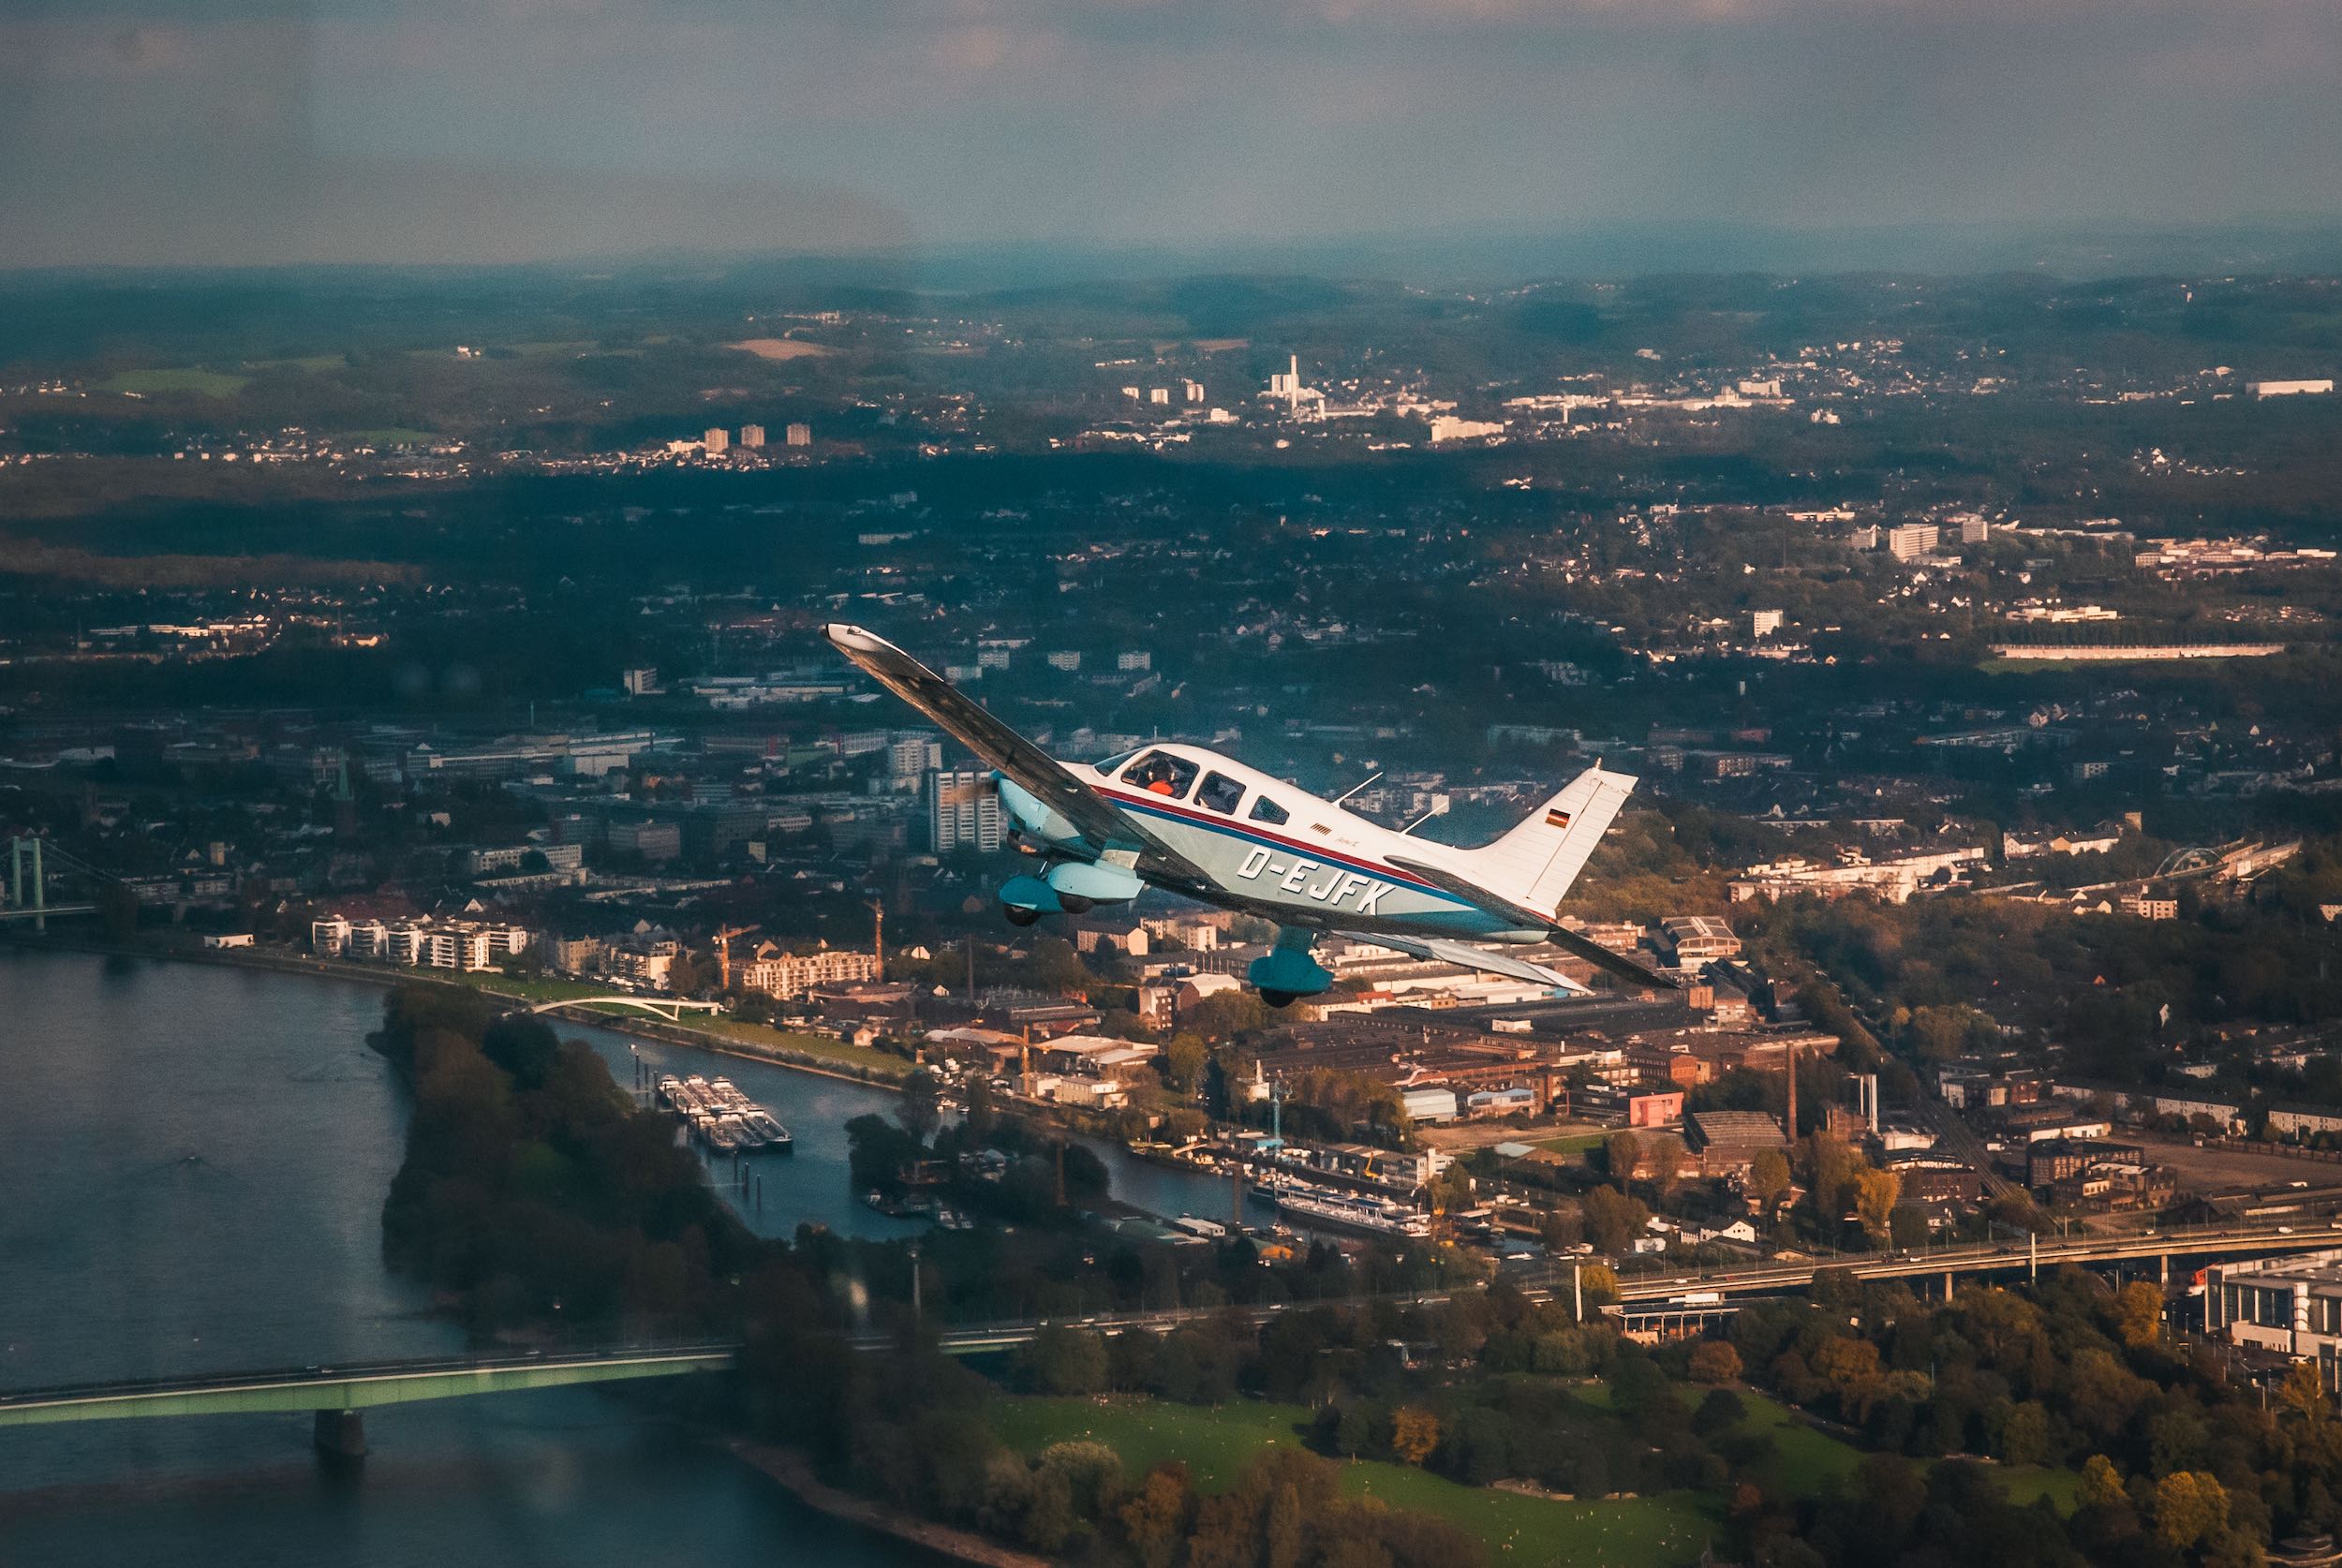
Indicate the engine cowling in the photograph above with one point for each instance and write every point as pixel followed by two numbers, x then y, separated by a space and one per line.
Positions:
pixel 1029 896
pixel 1033 815
pixel 1290 972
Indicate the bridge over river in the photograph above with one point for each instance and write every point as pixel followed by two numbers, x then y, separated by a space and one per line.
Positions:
pixel 338 1393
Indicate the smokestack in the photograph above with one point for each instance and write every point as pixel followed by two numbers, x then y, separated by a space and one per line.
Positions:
pixel 1791 1128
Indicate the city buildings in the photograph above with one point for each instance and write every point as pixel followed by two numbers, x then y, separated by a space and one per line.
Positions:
pixel 964 811
pixel 1911 541
pixel 2292 1306
pixel 419 943
pixel 793 974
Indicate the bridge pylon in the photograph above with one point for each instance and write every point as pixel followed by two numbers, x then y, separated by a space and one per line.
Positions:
pixel 17 846
pixel 340 1435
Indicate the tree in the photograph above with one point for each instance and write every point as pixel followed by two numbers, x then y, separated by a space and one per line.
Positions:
pixel 1285 1532
pixel 1621 1152
pixel 2024 1437
pixel 1184 1060
pixel 2304 1391
pixel 2189 1505
pixel 1715 1361
pixel 1829 1167
pixel 1226 1015
pixel 2101 1484
pixel 2138 1315
pixel 1875 1192
pixel 1062 1359
pixel 1414 1433
pixel 919 1109
pixel 1156 1518
pixel 1598 1284
pixel 1664 1153
pixel 1769 1178
pixel 1560 1231
pixel 982 1114
pixel 1613 1220
pixel 1354 1432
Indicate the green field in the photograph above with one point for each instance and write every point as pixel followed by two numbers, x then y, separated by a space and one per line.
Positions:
pixel 154 382
pixel 306 361
pixel 1217 1443
pixel 1573 1143
pixel 1807 1461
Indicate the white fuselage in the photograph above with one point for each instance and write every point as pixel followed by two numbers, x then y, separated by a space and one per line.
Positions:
pixel 1278 850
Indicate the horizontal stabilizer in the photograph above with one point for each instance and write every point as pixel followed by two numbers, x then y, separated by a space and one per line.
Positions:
pixel 1464 955
pixel 1630 969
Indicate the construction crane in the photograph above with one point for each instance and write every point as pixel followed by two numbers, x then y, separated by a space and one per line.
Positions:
pixel 723 952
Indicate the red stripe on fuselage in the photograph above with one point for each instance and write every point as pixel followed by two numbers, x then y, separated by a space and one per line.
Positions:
pixel 1247 830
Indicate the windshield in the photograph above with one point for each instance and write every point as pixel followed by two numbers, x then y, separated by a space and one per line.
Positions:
pixel 1161 773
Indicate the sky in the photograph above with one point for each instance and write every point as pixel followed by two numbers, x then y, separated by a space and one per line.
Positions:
pixel 212 132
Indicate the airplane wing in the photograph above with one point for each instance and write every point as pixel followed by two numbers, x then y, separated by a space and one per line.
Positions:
pixel 1466 956
pixel 1593 953
pixel 1034 770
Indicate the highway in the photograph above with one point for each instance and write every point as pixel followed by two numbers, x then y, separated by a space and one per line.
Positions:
pixel 1999 1257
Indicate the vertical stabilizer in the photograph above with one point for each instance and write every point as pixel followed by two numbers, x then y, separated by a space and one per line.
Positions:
pixel 1535 863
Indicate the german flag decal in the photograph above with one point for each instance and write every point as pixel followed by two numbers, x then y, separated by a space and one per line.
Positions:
pixel 1557 818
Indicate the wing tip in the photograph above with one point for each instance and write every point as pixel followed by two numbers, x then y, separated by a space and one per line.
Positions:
pixel 853 639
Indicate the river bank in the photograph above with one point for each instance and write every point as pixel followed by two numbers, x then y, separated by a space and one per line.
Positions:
pixel 789 1469
pixel 885 1074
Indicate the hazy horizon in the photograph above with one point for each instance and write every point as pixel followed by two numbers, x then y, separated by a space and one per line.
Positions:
pixel 253 132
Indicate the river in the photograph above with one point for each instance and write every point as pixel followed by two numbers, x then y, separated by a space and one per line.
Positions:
pixel 194 1160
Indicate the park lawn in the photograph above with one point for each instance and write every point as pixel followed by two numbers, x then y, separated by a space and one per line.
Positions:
pixel 1217 1443
pixel 1573 1143
pixel 842 1052
pixel 1806 1459
pixel 304 361
pixel 149 382
pixel 2027 1484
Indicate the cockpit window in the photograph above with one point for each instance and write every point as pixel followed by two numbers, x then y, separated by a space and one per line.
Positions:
pixel 1160 773
pixel 1116 761
pixel 1267 810
pixel 1221 794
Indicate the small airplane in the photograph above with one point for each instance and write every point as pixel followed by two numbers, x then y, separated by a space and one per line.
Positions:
pixel 1193 821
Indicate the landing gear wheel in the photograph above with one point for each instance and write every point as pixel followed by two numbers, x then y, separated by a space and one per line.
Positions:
pixel 1019 916
pixel 1280 999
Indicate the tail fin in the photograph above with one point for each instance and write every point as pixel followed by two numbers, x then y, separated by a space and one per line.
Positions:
pixel 1535 863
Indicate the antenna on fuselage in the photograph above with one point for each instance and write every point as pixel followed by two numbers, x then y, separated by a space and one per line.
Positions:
pixel 1418 821
pixel 1355 787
